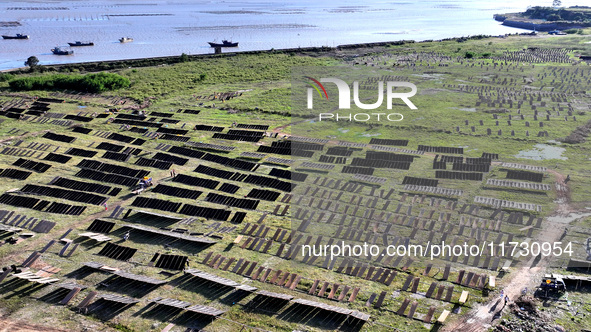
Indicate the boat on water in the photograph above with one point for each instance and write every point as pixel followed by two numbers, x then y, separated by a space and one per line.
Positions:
pixel 18 36
pixel 224 43
pixel 125 40
pixel 61 51
pixel 79 43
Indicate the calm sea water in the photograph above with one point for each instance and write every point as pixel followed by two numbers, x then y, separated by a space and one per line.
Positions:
pixel 161 28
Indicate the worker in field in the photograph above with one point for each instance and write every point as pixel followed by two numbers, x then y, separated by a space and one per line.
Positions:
pixel 145 182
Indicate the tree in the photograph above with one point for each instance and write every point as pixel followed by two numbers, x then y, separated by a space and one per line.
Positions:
pixel 32 62
pixel 556 3
pixel 184 57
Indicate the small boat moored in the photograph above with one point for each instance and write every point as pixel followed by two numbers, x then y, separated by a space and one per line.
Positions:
pixel 79 43
pixel 224 43
pixel 18 36
pixel 60 51
pixel 125 40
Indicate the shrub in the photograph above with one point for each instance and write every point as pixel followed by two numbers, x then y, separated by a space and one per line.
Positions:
pixel 5 77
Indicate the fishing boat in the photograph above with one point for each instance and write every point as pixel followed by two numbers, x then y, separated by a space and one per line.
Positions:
pixel 224 43
pixel 60 51
pixel 79 43
pixel 18 36
pixel 125 40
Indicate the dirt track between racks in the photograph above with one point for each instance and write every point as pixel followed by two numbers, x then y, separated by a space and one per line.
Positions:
pixel 483 316
pixel 13 326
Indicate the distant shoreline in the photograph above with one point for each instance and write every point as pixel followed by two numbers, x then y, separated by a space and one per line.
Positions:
pixel 547 18
pixel 539 26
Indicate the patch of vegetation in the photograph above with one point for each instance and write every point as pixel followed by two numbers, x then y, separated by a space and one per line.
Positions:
pixel 122 328
pixel 576 14
pixel 213 74
pixel 574 31
pixel 99 82
pixel 471 55
pixel 4 77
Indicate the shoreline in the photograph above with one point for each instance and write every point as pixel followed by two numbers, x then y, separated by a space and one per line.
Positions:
pixel 172 59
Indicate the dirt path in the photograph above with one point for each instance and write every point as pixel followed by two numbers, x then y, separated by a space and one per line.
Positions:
pixel 482 317
pixel 12 326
